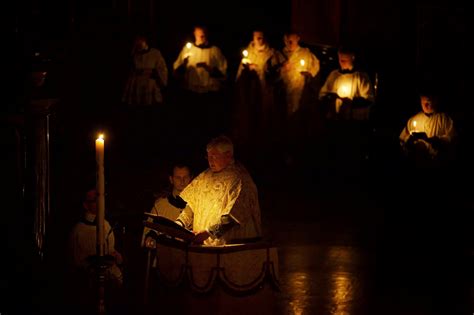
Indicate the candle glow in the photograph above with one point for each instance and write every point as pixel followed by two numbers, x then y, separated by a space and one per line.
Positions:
pixel 414 127
pixel 343 91
pixel 188 53
pixel 245 59
pixel 100 236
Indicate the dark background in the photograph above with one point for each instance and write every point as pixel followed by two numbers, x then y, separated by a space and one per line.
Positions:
pixel 85 47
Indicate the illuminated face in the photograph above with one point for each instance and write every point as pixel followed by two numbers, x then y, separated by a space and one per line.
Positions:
pixel 258 39
pixel 291 41
pixel 180 179
pixel 346 61
pixel 200 36
pixel 428 104
pixel 217 160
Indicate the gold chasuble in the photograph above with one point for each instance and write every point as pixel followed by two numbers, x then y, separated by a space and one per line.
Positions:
pixel 228 192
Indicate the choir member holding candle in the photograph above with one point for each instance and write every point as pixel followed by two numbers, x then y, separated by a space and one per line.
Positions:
pixel 429 133
pixel 253 107
pixel 201 71
pixel 347 89
pixel 299 65
pixel 203 65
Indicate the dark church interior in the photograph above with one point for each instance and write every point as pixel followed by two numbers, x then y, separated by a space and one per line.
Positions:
pixel 358 230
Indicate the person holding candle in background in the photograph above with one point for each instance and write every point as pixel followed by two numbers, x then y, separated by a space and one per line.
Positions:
pixel 203 65
pixel 254 90
pixel 347 89
pixel 298 68
pixel 430 133
pixel 201 70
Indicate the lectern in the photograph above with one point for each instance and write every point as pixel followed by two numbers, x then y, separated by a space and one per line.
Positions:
pixel 198 279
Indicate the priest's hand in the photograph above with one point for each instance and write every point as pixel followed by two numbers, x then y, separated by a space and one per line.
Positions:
pixel 201 236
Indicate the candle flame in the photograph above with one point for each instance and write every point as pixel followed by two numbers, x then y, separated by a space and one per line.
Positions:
pixel 302 62
pixel 414 123
pixel 101 136
pixel 189 45
pixel 245 53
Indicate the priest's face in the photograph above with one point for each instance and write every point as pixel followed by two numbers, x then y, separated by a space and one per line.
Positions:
pixel 218 160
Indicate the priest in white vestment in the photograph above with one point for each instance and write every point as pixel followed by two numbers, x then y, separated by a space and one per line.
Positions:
pixel 222 201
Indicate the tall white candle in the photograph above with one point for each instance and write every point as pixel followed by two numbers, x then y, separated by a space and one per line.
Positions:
pixel 99 157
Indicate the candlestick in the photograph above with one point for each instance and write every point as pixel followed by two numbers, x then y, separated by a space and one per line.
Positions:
pixel 99 156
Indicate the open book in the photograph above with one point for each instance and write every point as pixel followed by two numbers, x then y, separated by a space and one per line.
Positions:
pixel 168 227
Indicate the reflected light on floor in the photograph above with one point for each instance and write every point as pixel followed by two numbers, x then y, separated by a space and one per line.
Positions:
pixel 298 288
pixel 341 282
